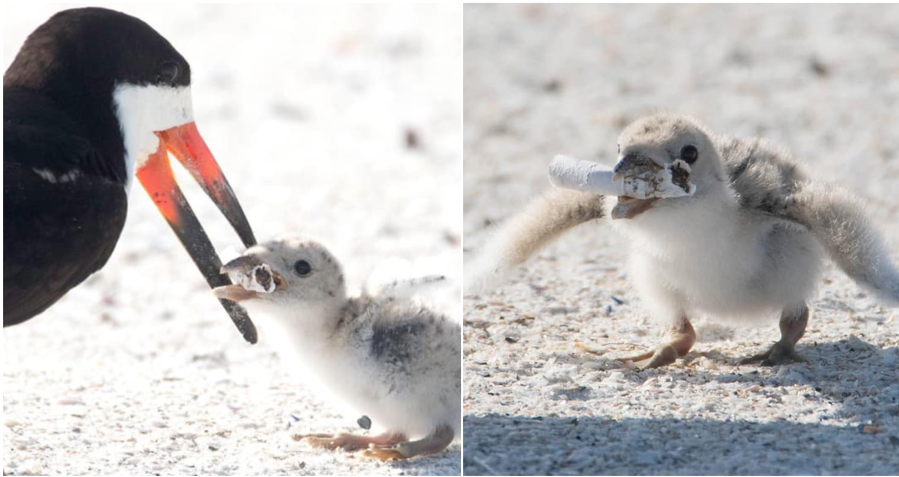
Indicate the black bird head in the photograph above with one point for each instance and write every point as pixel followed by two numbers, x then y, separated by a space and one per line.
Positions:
pixel 130 90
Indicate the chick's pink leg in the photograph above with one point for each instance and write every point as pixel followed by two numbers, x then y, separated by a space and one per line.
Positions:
pixel 432 444
pixel 682 338
pixel 792 327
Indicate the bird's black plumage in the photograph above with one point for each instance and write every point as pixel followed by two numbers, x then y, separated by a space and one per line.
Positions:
pixel 55 234
pixel 64 171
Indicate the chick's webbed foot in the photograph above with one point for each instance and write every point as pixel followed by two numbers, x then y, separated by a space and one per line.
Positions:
pixel 347 442
pixel 792 327
pixel 393 452
pixel 779 353
pixel 662 356
pixel 431 444
pixel 682 338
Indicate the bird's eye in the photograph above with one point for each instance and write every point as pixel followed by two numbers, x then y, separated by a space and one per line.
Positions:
pixel 168 73
pixel 302 268
pixel 689 154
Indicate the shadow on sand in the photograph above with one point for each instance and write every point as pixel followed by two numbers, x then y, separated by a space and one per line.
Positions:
pixel 572 445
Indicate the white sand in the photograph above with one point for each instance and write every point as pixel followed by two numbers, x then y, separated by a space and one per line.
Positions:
pixel 139 370
pixel 542 391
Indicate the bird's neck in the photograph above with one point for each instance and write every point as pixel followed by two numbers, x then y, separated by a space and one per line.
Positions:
pixel 686 226
pixel 302 329
pixel 94 117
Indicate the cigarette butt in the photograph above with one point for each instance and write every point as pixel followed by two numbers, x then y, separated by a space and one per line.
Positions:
pixel 642 183
pixel 571 173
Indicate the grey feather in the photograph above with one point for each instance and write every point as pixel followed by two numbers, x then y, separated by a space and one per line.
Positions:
pixel 769 181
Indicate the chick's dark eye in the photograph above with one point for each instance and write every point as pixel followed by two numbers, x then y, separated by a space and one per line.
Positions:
pixel 302 268
pixel 168 73
pixel 689 154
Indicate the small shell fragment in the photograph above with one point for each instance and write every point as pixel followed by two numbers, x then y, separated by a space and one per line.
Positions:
pixel 364 422
pixel 631 179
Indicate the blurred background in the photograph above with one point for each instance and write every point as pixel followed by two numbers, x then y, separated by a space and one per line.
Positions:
pixel 542 80
pixel 339 122
pixel 542 392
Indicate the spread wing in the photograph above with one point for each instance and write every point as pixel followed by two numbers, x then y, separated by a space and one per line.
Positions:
pixel 769 182
pixel 765 177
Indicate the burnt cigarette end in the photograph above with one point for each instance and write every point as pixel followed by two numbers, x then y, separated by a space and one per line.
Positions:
pixel 681 178
pixel 263 277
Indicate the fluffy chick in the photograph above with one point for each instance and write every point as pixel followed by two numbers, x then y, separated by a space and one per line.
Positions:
pixel 749 243
pixel 385 356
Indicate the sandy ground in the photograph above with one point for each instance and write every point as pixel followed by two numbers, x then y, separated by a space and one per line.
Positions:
pixel 543 394
pixel 139 370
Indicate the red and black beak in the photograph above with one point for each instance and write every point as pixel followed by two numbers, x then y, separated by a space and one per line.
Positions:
pixel 186 144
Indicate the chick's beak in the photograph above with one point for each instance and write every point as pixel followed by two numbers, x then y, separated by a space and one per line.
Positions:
pixel 629 207
pixel 235 293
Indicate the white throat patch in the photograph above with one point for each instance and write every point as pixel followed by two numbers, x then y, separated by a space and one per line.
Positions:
pixel 142 110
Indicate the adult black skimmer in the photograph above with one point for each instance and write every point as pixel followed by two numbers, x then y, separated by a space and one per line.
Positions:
pixel 93 98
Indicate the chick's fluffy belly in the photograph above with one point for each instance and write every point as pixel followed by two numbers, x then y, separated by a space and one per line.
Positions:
pixel 342 369
pixel 718 266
